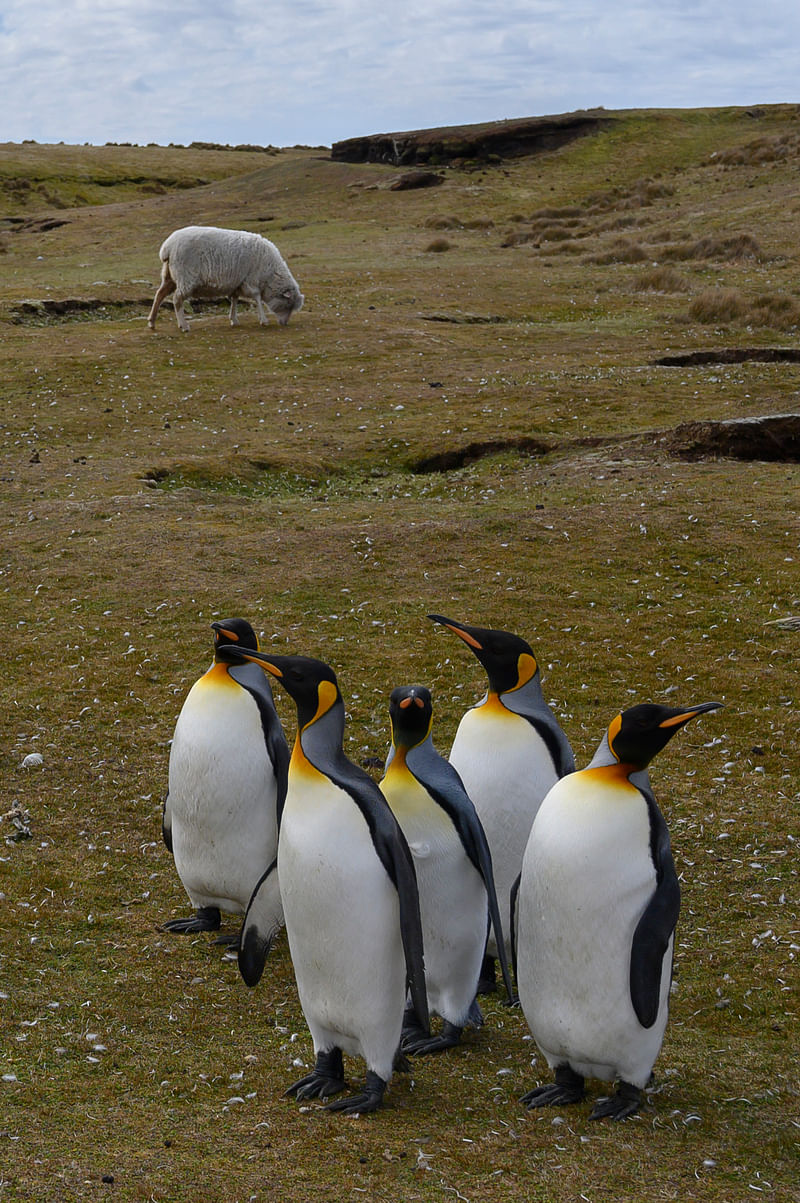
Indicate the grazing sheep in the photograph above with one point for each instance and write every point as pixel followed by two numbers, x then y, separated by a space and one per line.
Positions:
pixel 203 261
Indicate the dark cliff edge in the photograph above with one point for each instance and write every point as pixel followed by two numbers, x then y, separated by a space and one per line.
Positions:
pixel 487 142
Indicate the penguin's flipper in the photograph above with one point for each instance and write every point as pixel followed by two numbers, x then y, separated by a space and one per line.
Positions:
pixel 514 922
pixel 494 914
pixel 487 981
pixel 395 856
pixel 656 925
pixel 546 725
pixel 443 783
pixel 411 932
pixel 251 677
pixel 262 921
pixel 166 822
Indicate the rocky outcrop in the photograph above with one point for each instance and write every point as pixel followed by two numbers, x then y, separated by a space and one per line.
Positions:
pixel 491 141
pixel 691 359
pixel 774 437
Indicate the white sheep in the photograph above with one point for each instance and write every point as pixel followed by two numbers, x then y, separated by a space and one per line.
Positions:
pixel 204 261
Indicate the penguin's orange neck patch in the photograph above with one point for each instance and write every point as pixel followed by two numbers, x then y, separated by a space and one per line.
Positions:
pixel 217 676
pixel 615 775
pixel 397 770
pixel 493 705
pixel 300 765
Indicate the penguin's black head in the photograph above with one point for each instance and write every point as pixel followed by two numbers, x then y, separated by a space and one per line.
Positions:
pixel 233 630
pixel 638 734
pixel 411 713
pixel 508 659
pixel 311 684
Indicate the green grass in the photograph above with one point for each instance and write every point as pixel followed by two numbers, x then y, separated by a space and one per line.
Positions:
pixel 155 481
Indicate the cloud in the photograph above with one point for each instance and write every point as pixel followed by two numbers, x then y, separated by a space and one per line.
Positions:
pixel 314 72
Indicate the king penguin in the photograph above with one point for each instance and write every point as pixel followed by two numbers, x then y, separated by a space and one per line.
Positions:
pixel 228 770
pixel 597 906
pixel 349 896
pixel 509 750
pixel 454 870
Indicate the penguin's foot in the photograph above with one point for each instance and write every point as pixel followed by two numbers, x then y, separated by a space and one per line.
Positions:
pixel 487 982
pixel 449 1037
pixel 412 1029
pixel 228 941
pixel 624 1102
pixel 567 1088
pixel 206 918
pixel 325 1079
pixel 359 1104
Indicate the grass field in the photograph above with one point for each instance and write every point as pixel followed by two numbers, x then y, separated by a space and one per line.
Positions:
pixel 466 417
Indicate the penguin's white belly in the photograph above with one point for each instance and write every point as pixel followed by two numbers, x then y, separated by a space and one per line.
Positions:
pixel 222 795
pixel 342 918
pixel 507 769
pixel 586 880
pixel 452 900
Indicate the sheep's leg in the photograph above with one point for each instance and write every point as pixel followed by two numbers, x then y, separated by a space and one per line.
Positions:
pixel 180 316
pixel 252 294
pixel 166 286
pixel 234 312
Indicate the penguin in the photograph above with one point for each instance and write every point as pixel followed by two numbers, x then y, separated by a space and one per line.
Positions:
pixel 349 896
pixel 454 870
pixel 228 770
pixel 597 907
pixel 509 750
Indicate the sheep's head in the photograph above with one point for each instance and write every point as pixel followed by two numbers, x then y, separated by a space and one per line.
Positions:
pixel 285 303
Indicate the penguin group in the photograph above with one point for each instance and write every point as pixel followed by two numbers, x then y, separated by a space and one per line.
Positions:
pixel 400 898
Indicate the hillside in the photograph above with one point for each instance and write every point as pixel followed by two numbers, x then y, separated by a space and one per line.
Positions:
pixel 555 393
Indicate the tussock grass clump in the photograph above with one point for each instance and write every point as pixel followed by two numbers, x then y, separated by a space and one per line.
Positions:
pixel 623 250
pixel 547 229
pixel 443 221
pixel 622 221
pixel 437 246
pixel 714 246
pixel 773 149
pixel 666 235
pixel 718 305
pixel 775 310
pixel 662 279
pixel 559 212
pixel 555 232
pixel 638 195
pixel 723 305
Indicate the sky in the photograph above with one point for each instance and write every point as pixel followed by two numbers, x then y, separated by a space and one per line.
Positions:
pixel 314 72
